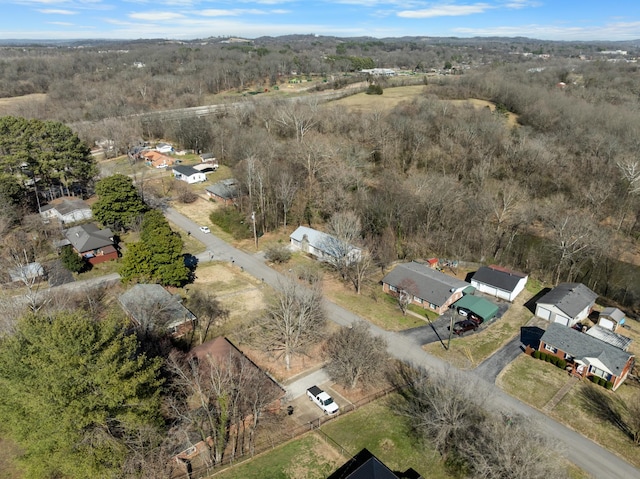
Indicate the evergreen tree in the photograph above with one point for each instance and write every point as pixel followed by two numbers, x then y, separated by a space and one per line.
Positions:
pixel 157 257
pixel 74 392
pixel 118 204
pixel 71 260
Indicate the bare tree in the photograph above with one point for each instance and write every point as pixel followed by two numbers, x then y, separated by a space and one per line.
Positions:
pixel 294 321
pixel 407 289
pixel 208 310
pixel 345 230
pixel 286 190
pixel 356 356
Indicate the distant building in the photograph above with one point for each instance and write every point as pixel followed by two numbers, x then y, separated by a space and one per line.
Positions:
pixel 379 72
pixel 67 210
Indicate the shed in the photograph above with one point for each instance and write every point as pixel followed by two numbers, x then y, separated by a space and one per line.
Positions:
pixel 611 318
pixel 480 306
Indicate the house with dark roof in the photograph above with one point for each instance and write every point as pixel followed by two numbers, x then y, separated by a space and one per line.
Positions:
pixel 364 465
pixel 67 210
pixel 225 191
pixel 499 282
pixel 322 246
pixel 93 244
pixel 188 174
pixel 567 303
pixel 611 318
pixel 430 288
pixel 150 307
pixel 587 356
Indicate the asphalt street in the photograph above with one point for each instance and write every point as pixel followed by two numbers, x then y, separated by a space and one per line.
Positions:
pixel 579 450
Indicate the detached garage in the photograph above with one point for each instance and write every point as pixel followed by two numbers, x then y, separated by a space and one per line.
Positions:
pixel 567 304
pixel 480 306
pixel 499 282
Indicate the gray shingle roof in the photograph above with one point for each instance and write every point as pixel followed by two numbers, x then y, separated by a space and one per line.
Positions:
pixel 142 298
pixel 69 206
pixel 432 286
pixel 581 345
pixel 613 313
pixel 498 277
pixel 226 189
pixel 571 298
pixel 88 237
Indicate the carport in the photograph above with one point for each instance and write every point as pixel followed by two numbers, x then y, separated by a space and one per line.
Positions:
pixel 480 306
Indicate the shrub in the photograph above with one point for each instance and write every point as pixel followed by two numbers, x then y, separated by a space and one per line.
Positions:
pixel 547 357
pixel 231 221
pixel 374 90
pixel 278 253
pixel 71 260
pixel 536 354
pixel 594 379
pixel 561 363
pixel 608 385
pixel 554 360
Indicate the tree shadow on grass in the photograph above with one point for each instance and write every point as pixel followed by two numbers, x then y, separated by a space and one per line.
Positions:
pixel 602 405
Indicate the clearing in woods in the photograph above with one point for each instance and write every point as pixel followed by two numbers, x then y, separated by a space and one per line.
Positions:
pixel 392 97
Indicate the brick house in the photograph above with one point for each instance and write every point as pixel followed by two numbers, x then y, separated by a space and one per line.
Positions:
pixel 586 355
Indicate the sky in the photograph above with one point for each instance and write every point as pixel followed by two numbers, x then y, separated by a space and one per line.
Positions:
pixel 192 19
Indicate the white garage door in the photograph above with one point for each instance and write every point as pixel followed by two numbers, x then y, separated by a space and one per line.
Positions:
pixel 543 313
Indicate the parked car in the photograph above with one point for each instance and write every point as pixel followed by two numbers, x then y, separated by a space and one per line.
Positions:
pixel 475 318
pixel 462 327
pixel 205 229
pixel 463 311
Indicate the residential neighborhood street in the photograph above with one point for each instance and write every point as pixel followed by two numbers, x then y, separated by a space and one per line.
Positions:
pixel 579 450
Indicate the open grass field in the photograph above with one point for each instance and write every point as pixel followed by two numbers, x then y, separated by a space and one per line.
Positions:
pixel 392 97
pixel 16 105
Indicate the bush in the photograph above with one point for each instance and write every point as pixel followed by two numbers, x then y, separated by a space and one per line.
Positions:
pixel 374 90
pixel 71 260
pixel 561 363
pixel 594 379
pixel 278 253
pixel 547 357
pixel 231 221
pixel 536 354
pixel 554 360
pixel 608 385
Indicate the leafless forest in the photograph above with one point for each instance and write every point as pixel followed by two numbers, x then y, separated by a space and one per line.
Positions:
pixel 557 195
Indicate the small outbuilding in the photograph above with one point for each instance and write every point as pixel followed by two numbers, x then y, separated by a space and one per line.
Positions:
pixel 611 318
pixel 67 210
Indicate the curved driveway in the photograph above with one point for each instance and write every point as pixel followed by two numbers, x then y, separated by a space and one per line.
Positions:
pixel 579 450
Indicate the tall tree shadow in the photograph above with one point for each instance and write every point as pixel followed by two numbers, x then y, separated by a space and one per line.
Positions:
pixel 604 406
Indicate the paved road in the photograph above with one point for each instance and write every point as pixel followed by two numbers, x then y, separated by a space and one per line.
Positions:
pixel 491 367
pixel 586 454
pixel 297 388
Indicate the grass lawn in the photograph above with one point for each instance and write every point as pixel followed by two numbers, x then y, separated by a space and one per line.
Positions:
pixel 387 436
pixel 374 305
pixel 361 102
pixel 572 412
pixel 532 380
pixel 468 351
pixel 9 451
pixel 308 457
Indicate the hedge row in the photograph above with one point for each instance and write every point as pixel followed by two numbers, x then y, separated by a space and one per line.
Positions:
pixel 550 358
pixel 601 381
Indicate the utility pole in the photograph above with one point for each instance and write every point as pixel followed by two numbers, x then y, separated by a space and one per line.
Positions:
pixel 255 233
pixel 450 329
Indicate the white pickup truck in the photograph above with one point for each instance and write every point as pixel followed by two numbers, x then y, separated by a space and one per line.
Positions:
pixel 322 399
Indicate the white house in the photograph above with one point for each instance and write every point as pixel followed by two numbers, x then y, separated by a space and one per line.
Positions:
pixel 322 245
pixel 164 148
pixel 567 303
pixel 67 210
pixel 189 174
pixel 499 282
pixel 611 318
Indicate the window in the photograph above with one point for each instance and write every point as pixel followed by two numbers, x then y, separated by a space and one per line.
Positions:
pixel 551 349
pixel 433 306
pixel 600 373
pixel 393 288
pixel 568 357
pixel 417 300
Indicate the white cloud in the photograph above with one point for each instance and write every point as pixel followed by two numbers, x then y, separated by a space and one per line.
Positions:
pixel 63 24
pixel 518 4
pixel 54 11
pixel 156 16
pixel 446 11
pixel 612 31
